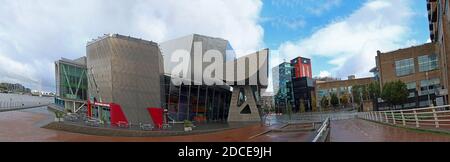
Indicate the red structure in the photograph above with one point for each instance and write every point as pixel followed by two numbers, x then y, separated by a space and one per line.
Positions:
pixel 157 115
pixel 301 67
pixel 111 111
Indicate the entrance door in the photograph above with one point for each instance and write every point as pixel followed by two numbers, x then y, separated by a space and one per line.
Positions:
pixel 106 115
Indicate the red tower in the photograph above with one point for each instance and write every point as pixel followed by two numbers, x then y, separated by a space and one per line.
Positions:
pixel 302 67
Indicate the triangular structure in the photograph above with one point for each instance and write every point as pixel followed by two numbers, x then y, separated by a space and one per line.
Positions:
pixel 243 110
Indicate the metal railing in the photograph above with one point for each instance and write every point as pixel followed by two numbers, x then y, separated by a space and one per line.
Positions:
pixel 437 116
pixel 22 104
pixel 318 116
pixel 323 133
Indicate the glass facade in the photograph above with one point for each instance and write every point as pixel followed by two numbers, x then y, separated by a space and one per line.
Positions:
pixel 199 103
pixel 284 95
pixel 73 82
pixel 404 67
pixel 428 62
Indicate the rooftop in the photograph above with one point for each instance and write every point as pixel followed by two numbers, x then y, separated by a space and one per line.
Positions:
pixel 120 37
pixel 408 48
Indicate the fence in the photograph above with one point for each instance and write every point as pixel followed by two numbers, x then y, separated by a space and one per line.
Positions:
pixel 21 104
pixel 437 117
pixel 318 116
pixel 323 133
pixel 17 101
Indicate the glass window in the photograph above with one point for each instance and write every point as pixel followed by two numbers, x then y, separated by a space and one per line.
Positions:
pixel 429 86
pixel 404 67
pixel 428 62
pixel 411 85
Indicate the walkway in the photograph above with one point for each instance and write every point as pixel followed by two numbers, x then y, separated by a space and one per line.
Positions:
pixel 25 125
pixel 357 130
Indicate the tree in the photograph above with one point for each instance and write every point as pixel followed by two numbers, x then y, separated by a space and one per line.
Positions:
pixel 302 106
pixel 395 93
pixel 364 92
pixel 289 111
pixel 334 100
pixel 314 104
pixel 374 90
pixel 324 102
pixel 3 88
pixel 344 99
pixel 356 92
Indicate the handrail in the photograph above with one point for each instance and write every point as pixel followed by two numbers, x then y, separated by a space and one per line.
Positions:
pixel 419 116
pixel 425 108
pixel 323 128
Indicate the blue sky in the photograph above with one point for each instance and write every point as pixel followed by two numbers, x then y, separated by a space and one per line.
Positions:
pixel 341 36
pixel 293 20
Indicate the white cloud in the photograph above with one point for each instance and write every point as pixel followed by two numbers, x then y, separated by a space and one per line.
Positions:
pixel 324 74
pixel 351 43
pixel 33 34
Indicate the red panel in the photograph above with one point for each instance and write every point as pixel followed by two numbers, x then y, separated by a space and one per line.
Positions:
pixel 117 115
pixel 157 116
pixel 89 111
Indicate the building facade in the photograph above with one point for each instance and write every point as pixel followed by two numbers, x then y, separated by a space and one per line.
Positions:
pixel 423 68
pixel 293 85
pixel 303 93
pixel 301 67
pixel 71 83
pixel 194 100
pixel 198 103
pixel 284 95
pixel 340 88
pixel 419 68
pixel 125 71
pixel 439 26
pixel 124 80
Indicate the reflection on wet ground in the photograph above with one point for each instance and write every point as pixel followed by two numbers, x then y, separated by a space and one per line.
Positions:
pixel 25 125
pixel 22 126
pixel 356 130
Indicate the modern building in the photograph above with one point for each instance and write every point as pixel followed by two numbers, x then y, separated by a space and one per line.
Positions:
pixel 419 68
pixel 284 95
pixel 340 88
pixel 129 80
pixel 293 85
pixel 276 79
pixel 71 83
pixel 193 100
pixel 124 71
pixel 303 93
pixel 302 84
pixel 301 67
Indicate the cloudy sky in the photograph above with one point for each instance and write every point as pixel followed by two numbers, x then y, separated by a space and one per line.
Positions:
pixel 340 36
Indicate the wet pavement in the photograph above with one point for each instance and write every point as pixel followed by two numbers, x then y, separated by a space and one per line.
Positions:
pixel 357 130
pixel 25 125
